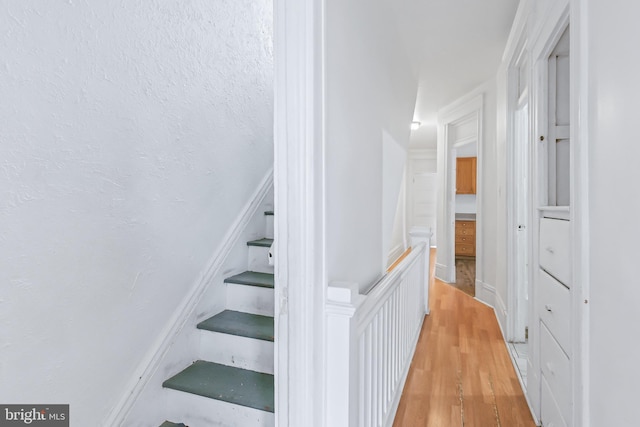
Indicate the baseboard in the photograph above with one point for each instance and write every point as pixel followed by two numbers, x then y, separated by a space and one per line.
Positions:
pixel 395 253
pixel 515 368
pixel 485 293
pixel 442 272
pixel 501 312
pixel 154 357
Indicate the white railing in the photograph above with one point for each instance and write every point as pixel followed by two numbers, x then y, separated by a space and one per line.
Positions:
pixel 371 340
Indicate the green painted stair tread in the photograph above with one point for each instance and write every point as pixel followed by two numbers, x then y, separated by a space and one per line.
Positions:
pixel 170 424
pixel 240 324
pixel 268 213
pixel 252 278
pixel 226 383
pixel 264 243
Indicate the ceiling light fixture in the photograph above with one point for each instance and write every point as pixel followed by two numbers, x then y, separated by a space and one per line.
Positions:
pixel 415 125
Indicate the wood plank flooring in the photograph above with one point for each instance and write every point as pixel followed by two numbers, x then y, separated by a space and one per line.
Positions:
pixel 461 374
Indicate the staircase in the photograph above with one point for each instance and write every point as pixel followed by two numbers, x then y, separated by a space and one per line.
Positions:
pixel 232 382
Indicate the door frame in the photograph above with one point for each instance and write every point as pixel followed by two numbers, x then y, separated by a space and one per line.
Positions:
pixel 300 282
pixel 470 106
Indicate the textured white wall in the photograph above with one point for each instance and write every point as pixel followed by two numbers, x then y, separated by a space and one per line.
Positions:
pixel 131 135
pixel 613 204
pixel 370 88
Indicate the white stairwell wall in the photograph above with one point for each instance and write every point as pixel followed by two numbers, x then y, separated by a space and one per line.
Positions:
pixel 133 134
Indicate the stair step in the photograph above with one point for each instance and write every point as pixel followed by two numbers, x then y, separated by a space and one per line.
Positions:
pixel 241 324
pixel 226 383
pixel 263 243
pixel 252 278
pixel 170 424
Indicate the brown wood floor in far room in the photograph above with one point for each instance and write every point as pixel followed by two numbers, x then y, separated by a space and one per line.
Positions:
pixel 466 275
pixel 461 374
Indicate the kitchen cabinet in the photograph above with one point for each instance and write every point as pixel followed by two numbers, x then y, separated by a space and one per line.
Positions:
pixel 466 175
pixel 465 238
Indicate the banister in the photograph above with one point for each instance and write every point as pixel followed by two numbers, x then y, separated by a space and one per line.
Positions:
pixel 371 338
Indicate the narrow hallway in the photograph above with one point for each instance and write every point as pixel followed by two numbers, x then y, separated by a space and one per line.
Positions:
pixel 461 373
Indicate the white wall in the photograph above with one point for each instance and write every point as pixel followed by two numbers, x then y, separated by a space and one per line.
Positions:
pixel 489 190
pixel 370 89
pixel 613 175
pixel 132 134
pixel 465 203
pixel 394 159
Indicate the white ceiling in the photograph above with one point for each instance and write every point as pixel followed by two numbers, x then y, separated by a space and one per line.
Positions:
pixel 456 45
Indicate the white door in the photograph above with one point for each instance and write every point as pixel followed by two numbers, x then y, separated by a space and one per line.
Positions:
pixel 423 207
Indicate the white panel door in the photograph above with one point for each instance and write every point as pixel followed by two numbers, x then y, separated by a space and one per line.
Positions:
pixel 423 207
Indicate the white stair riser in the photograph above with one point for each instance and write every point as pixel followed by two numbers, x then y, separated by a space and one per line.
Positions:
pixel 199 411
pixel 250 299
pixel 259 259
pixel 240 352
pixel 270 229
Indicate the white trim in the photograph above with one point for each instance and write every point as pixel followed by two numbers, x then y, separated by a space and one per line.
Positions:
pixel 394 254
pixel 580 210
pixel 518 29
pixel 300 284
pixel 523 386
pixel 485 293
pixel 423 153
pixel 152 360
pixel 464 141
pixel 501 312
pixel 441 271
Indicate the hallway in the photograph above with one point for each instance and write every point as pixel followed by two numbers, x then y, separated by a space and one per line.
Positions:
pixel 461 374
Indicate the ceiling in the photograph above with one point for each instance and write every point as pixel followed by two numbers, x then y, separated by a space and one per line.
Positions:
pixel 455 46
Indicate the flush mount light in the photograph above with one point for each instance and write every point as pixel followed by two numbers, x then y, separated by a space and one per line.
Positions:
pixel 415 125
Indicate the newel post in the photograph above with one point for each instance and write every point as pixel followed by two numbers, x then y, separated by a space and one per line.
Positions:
pixel 343 300
pixel 419 235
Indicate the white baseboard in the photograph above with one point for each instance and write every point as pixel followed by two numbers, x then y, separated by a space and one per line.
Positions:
pixel 485 293
pixel 442 272
pixel 394 254
pixel 152 361
pixel 501 313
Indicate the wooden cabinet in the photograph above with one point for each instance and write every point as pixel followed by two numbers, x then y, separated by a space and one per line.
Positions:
pixel 466 175
pixel 466 238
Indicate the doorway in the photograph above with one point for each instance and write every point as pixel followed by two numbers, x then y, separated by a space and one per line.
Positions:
pixel 459 124
pixel 465 210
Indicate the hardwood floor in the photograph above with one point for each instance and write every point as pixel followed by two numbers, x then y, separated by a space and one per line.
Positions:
pixel 461 374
